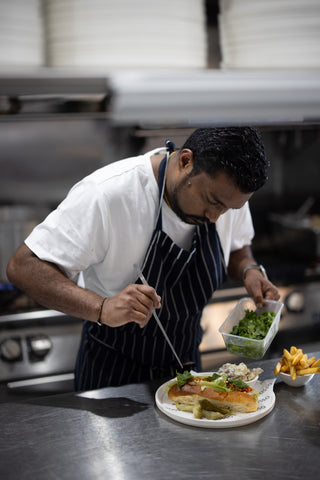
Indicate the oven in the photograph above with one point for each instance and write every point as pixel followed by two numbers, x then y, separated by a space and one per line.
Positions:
pixel 38 350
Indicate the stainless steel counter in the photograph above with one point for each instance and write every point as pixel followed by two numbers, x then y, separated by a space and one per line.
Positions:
pixel 118 433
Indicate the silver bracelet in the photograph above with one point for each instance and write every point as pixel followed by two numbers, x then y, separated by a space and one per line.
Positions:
pixel 257 267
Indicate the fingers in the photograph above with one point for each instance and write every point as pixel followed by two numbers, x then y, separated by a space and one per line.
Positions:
pixel 261 289
pixel 133 304
pixel 146 299
pixel 148 293
pixel 271 292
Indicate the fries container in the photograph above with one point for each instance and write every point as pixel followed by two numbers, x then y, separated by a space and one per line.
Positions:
pixel 249 347
pixel 300 381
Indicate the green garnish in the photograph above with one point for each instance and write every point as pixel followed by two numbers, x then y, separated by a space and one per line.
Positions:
pixel 254 326
pixel 238 383
pixel 214 376
pixel 249 349
pixel 217 382
pixel 182 378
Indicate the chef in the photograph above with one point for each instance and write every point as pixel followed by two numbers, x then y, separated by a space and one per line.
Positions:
pixel 179 216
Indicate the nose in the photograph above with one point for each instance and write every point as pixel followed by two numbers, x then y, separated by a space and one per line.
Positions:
pixel 212 216
pixel 213 213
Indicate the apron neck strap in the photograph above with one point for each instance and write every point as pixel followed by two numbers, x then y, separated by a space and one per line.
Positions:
pixel 162 180
pixel 162 185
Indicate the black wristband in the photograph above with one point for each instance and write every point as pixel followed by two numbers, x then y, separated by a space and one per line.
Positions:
pixel 100 312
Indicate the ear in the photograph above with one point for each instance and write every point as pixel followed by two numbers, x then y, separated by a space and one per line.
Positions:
pixel 186 160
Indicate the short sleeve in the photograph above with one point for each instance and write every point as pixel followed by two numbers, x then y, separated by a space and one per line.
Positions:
pixel 235 230
pixel 75 235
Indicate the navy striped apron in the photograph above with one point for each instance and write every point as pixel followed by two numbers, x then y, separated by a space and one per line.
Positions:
pixel 185 280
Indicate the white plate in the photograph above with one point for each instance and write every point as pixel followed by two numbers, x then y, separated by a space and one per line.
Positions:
pixel 266 403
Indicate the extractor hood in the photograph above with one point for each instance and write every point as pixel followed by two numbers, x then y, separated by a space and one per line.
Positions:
pixel 215 97
pixel 182 99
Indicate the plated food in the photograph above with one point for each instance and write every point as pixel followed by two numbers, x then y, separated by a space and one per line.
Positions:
pixel 295 368
pixel 196 400
pixel 213 396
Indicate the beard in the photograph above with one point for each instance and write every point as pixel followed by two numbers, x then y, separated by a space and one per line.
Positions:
pixel 184 216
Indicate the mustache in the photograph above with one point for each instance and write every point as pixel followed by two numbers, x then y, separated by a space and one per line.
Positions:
pixel 196 219
pixel 186 217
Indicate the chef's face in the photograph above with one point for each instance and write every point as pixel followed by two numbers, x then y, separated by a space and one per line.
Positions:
pixel 200 198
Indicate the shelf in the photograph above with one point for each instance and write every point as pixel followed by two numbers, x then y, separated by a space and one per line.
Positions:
pixel 51 82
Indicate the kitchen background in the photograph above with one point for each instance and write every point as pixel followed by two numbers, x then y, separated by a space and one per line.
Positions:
pixel 84 83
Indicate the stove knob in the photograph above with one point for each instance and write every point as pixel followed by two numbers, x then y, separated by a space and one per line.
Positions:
pixel 38 346
pixel 11 350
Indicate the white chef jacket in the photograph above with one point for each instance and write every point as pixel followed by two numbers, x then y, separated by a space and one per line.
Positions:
pixel 104 225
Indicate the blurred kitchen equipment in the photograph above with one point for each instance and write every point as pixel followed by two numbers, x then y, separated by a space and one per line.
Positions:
pixel 275 34
pixel 16 222
pixel 126 34
pixel 38 349
pixel 298 232
pixel 8 293
pixel 21 33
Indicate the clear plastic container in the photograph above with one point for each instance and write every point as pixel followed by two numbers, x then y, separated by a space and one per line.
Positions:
pixel 249 347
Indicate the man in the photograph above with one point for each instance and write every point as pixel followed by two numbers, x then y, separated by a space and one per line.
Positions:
pixel 181 216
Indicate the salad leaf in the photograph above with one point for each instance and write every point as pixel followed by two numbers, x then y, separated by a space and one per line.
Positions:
pixel 214 376
pixel 219 384
pixel 238 383
pixel 182 378
pixel 249 349
pixel 254 326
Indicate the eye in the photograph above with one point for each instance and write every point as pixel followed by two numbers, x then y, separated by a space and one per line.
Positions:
pixel 214 203
pixel 217 205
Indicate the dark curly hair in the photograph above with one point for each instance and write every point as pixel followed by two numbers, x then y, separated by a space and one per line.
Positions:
pixel 238 151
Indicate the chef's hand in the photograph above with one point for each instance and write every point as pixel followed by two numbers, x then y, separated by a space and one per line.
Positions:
pixel 133 304
pixel 260 288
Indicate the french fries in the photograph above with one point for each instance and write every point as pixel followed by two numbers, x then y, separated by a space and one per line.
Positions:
pixel 297 363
